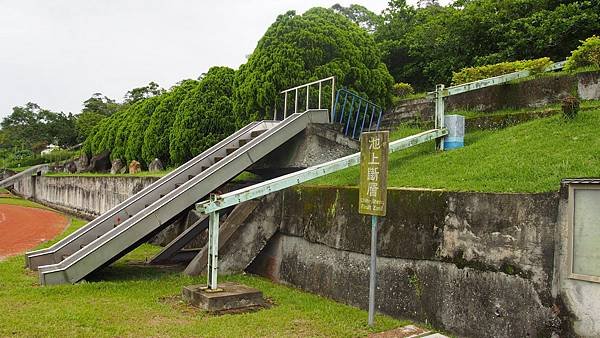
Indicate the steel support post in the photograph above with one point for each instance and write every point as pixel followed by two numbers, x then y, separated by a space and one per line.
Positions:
pixel 439 113
pixel 373 270
pixel 213 249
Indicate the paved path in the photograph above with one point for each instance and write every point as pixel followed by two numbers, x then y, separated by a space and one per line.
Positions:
pixel 23 228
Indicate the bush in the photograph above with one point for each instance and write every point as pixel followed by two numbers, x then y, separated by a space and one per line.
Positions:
pixel 586 55
pixel 570 107
pixel 483 72
pixel 402 89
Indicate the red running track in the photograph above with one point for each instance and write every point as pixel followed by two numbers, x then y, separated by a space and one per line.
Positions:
pixel 23 228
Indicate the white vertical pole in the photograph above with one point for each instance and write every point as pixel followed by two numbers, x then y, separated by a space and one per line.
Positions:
pixel 332 93
pixel 307 96
pixel 320 83
pixel 296 102
pixel 285 106
pixel 439 113
pixel 213 249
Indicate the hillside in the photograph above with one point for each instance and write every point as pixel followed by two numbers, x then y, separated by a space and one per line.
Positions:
pixel 529 157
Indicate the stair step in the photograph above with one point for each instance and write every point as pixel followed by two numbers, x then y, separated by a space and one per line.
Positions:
pixel 255 133
pixel 230 150
pixel 243 142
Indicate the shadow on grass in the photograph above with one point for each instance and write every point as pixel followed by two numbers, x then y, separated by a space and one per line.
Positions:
pixel 134 271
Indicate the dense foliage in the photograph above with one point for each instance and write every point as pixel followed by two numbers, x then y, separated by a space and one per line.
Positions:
pixel 483 72
pixel 423 46
pixel 297 49
pixel 158 134
pixel 586 55
pixel 205 116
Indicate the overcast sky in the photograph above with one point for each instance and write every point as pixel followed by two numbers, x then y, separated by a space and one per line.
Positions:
pixel 58 53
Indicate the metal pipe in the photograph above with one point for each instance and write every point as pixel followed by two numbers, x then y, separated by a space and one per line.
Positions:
pixel 334 108
pixel 379 119
pixel 285 106
pixel 213 248
pixel 373 270
pixel 296 102
pixel 307 96
pixel 332 89
pixel 320 83
pixel 362 125
pixel 343 107
pixel 349 115
pixel 356 118
pixel 371 120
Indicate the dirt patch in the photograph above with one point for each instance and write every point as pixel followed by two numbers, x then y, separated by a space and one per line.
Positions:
pixel 23 228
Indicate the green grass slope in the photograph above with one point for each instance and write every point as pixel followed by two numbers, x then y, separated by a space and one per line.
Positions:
pixel 530 157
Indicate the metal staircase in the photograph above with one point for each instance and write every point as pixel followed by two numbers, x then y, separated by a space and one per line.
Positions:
pixel 132 222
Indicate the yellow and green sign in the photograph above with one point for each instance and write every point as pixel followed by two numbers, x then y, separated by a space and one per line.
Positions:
pixel 374 149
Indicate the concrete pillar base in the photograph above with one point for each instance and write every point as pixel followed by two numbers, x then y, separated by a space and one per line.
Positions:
pixel 228 296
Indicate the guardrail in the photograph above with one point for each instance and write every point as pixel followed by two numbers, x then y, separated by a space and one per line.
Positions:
pixel 307 86
pixel 349 117
pixel 219 202
pixel 442 92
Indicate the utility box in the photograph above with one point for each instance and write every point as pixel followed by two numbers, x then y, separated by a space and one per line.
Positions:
pixel 456 131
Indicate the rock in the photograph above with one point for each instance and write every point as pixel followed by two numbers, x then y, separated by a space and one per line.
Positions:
pixel 135 167
pixel 117 166
pixel 156 165
pixel 83 162
pixel 70 167
pixel 100 163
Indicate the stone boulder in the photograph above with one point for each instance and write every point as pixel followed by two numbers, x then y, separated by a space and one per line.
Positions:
pixel 156 165
pixel 117 166
pixel 100 163
pixel 70 167
pixel 82 163
pixel 135 167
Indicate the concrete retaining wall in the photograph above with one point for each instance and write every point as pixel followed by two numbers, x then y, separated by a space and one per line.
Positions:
pixel 479 265
pixel 524 94
pixel 85 196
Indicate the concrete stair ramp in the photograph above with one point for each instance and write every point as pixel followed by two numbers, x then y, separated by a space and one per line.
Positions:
pixel 140 201
pixel 133 231
pixel 35 170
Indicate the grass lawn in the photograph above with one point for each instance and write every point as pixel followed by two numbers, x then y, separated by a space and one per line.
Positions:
pixel 131 299
pixel 21 202
pixel 530 157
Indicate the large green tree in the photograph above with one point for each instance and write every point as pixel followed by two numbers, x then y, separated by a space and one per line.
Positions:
pixel 205 116
pixel 300 48
pixel 157 135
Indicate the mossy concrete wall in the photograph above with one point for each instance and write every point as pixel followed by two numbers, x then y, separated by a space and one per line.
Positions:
pixel 476 264
pixel 522 94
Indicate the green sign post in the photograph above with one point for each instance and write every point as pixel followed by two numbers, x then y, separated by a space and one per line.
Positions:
pixel 372 199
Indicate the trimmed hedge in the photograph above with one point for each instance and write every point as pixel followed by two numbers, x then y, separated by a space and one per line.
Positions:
pixel 483 72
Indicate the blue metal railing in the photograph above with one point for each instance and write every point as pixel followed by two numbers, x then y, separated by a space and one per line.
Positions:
pixel 359 109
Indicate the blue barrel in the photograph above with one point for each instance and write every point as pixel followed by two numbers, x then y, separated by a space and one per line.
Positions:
pixel 456 131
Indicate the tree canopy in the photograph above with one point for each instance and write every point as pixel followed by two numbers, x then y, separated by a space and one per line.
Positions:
pixel 205 116
pixel 297 49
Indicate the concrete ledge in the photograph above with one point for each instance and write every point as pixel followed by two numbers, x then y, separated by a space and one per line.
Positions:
pixel 233 296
